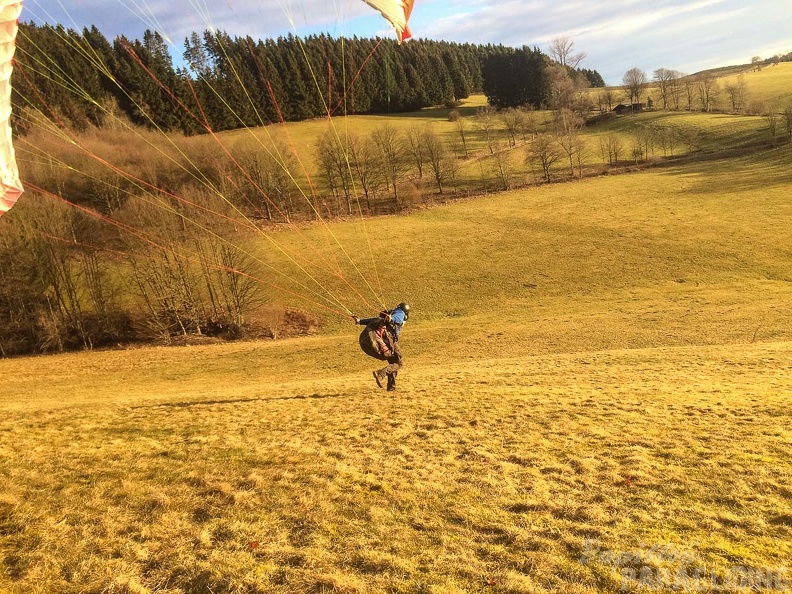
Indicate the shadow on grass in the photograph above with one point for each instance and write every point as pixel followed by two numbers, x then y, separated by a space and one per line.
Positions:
pixel 753 168
pixel 782 520
pixel 315 396
pixel 435 113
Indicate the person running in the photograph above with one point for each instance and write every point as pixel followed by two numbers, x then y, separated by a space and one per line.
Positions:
pixel 380 339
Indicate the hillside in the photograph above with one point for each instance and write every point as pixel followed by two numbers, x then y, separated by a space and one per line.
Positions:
pixel 764 88
pixel 773 83
pixel 595 392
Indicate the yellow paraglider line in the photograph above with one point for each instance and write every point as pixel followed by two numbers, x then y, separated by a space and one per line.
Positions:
pixel 168 208
pixel 203 122
pixel 81 93
pixel 325 105
pixel 280 160
pixel 142 235
pixel 357 197
pixel 349 167
pixel 247 176
pixel 209 186
pixel 75 88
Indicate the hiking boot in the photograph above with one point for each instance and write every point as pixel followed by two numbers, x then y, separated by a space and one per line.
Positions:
pixel 378 377
pixel 391 384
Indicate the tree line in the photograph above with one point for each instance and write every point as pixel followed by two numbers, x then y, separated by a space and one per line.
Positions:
pixel 169 266
pixel 231 82
pixel 228 82
pixel 673 90
pixel 69 282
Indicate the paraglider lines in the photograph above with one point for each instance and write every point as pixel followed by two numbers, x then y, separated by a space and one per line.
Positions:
pixel 250 224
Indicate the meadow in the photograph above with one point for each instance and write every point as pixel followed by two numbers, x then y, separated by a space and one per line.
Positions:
pixel 595 399
pixel 773 83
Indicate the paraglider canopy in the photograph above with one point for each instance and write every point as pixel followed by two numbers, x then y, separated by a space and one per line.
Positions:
pixel 10 186
pixel 397 12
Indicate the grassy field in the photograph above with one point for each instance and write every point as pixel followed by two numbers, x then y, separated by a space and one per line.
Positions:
pixel 772 84
pixel 596 388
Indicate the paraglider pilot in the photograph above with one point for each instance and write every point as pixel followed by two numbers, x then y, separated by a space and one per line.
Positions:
pixel 380 339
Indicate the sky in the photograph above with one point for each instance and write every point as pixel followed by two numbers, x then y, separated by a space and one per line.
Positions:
pixel 684 35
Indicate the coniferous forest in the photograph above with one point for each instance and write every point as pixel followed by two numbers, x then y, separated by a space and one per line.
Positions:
pixel 235 82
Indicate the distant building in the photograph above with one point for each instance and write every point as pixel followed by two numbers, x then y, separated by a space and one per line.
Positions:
pixel 622 109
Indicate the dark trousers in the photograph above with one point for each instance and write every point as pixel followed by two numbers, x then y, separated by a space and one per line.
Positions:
pixel 375 346
pixel 394 363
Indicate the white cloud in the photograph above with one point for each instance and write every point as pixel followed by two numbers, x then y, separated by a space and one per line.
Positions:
pixel 617 35
pixel 621 34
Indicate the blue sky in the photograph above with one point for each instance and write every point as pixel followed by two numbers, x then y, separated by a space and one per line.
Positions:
pixel 684 35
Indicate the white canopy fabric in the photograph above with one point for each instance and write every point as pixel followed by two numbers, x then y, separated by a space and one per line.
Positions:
pixel 10 186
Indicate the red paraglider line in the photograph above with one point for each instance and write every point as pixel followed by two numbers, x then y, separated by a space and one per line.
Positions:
pixel 293 148
pixel 337 273
pixel 281 120
pixel 142 236
pixel 354 78
pixel 81 244
pixel 203 121
pixel 334 272
pixel 198 206
pixel 308 177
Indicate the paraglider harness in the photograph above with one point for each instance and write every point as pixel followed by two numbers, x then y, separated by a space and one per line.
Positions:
pixel 376 336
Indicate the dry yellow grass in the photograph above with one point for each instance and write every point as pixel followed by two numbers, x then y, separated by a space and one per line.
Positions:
pixel 597 383
pixel 485 475
pixel 771 84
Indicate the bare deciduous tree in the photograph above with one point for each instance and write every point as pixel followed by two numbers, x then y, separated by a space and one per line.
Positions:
pixel 787 115
pixel 663 77
pixel 512 123
pixel 441 162
pixel 485 118
pixel 675 89
pixel 610 148
pixel 543 149
pixel 606 98
pixel 333 158
pixel 367 167
pixel 562 88
pixel 460 128
pixel 635 82
pixel 268 180
pixel 737 92
pixel 668 137
pixel 386 139
pixel 581 150
pixel 689 88
pixel 230 290
pixel 643 142
pixel 529 123
pixel 415 146
pixel 771 117
pixel 707 88
pixel 567 129
pixel 561 49
pixel 691 137
pixel 501 164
